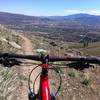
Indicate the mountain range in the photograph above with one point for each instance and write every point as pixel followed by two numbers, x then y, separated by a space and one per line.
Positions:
pixel 9 17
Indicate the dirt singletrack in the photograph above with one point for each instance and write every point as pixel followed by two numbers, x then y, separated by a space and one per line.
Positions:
pixel 25 70
pixel 26 45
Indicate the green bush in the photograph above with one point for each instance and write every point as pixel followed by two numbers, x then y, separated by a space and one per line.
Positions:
pixel 86 82
pixel 71 74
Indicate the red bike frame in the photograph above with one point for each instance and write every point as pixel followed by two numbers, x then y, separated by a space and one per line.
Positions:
pixel 44 84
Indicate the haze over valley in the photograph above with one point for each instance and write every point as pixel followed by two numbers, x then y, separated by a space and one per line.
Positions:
pixel 68 28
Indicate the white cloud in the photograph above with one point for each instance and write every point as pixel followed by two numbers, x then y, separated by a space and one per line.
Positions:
pixel 92 12
pixel 95 12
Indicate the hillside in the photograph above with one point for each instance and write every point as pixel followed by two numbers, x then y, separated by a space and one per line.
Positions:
pixel 76 84
pixel 9 41
pixel 9 79
pixel 13 81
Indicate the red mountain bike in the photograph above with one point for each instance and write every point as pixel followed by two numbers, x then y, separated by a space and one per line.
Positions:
pixel 80 63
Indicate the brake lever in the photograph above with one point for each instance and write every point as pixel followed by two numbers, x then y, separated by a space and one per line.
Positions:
pixel 80 65
pixel 9 62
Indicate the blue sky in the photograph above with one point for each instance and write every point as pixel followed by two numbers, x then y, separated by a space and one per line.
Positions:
pixel 50 7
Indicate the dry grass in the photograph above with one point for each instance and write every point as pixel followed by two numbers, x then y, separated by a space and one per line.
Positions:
pixel 8 39
pixel 93 49
pixel 9 78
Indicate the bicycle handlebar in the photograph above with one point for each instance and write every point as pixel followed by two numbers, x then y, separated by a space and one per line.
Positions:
pixel 77 58
pixel 52 58
pixel 21 56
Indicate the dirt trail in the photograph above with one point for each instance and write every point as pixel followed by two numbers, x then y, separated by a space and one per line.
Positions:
pixel 25 70
pixel 26 45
